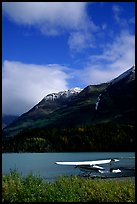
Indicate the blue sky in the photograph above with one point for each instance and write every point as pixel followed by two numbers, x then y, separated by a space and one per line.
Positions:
pixel 53 46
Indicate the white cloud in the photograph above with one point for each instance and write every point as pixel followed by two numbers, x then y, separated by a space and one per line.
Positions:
pixel 118 11
pixel 24 85
pixel 104 26
pixel 50 17
pixel 79 41
pixel 116 58
pixel 83 37
pixel 116 8
pixel 55 18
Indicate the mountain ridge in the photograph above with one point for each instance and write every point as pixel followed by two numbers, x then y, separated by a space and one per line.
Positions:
pixel 111 101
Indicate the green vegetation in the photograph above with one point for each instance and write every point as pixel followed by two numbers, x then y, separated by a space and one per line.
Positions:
pixel 99 137
pixel 16 188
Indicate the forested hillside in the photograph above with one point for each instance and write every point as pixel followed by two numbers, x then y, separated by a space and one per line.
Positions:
pixel 101 137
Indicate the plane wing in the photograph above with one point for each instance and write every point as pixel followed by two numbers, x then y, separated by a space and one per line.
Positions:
pixel 90 163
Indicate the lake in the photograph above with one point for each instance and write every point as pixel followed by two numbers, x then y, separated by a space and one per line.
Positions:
pixel 43 164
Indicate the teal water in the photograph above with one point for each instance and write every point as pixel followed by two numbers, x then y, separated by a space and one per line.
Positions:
pixel 43 164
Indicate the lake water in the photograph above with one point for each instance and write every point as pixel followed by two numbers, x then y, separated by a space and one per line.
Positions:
pixel 43 164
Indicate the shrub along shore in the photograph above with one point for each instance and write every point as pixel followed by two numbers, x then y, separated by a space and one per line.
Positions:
pixel 16 188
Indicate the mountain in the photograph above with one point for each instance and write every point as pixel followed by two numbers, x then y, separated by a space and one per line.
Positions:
pixel 107 102
pixel 117 102
pixel 51 103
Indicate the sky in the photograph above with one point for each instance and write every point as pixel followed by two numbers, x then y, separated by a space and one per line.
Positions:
pixel 49 47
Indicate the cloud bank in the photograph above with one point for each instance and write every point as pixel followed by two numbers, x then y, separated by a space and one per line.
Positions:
pixel 24 85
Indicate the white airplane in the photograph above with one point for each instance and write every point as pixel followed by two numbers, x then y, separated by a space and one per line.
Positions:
pixel 92 166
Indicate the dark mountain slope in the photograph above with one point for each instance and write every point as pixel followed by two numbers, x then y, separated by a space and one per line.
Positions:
pixel 118 100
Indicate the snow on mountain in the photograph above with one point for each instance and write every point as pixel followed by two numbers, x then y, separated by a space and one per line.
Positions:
pixel 125 74
pixel 63 94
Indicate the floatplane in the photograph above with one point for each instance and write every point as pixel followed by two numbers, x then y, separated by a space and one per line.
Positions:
pixel 93 168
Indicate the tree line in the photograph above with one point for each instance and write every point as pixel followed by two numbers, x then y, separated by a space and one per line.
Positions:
pixel 87 138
